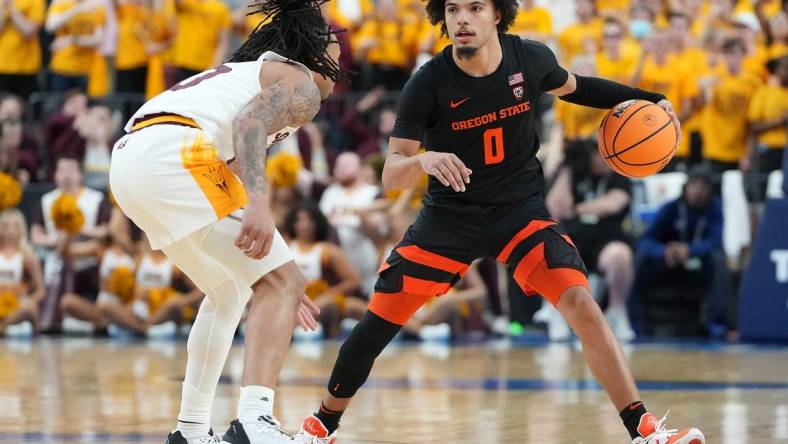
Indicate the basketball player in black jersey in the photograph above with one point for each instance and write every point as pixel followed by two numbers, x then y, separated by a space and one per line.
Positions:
pixel 471 107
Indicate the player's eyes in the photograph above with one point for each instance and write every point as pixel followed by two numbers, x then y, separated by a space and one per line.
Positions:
pixel 451 10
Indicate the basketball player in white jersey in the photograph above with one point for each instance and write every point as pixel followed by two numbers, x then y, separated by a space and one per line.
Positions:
pixel 170 175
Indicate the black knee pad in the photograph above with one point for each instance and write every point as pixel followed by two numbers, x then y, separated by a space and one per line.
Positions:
pixel 358 353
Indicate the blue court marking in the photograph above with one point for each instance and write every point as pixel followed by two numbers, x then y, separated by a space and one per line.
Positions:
pixel 80 437
pixel 530 384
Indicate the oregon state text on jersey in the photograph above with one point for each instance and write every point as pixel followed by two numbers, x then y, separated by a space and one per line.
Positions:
pixel 214 98
pixel 488 122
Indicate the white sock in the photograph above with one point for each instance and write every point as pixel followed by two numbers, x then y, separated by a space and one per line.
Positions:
pixel 196 412
pixel 255 401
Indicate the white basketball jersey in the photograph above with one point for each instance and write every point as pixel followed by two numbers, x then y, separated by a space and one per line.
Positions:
pixel 113 260
pixel 214 98
pixel 154 275
pixel 310 262
pixel 11 270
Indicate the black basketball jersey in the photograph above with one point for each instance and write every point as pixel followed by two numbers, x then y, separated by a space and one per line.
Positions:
pixel 488 122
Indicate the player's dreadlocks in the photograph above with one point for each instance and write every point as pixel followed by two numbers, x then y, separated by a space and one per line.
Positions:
pixel 296 30
pixel 436 11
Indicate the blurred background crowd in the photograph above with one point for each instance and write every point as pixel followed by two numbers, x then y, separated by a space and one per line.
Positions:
pixel 664 253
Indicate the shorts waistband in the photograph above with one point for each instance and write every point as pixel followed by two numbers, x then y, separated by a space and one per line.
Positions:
pixel 162 119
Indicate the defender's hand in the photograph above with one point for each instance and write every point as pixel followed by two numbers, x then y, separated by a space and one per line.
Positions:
pixel 447 168
pixel 257 231
pixel 305 317
pixel 668 107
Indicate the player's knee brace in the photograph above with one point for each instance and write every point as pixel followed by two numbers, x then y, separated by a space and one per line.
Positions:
pixel 358 354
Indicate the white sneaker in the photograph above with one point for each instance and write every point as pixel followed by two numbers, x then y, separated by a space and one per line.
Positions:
pixel 348 324
pixel 177 438
pixel 74 325
pixel 263 431
pixel 299 334
pixel 314 432
pixel 435 333
pixel 557 328
pixel 619 322
pixel 654 432
pixel 20 330
pixel 165 330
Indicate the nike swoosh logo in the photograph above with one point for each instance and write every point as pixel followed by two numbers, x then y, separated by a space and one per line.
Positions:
pixel 633 407
pixel 454 104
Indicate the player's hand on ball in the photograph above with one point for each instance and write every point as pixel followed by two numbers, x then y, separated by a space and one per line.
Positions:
pixel 668 107
pixel 257 231
pixel 307 310
pixel 447 168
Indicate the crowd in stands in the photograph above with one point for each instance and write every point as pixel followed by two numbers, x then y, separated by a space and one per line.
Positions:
pixel 72 71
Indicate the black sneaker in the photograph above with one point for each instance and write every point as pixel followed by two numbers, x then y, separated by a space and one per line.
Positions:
pixel 175 437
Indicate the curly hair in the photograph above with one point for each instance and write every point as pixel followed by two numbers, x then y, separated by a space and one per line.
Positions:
pixel 296 30
pixel 322 226
pixel 436 11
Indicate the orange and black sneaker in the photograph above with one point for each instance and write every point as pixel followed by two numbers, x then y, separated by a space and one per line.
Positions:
pixel 653 431
pixel 314 432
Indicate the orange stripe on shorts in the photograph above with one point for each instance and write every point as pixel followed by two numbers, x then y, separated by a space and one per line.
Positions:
pixel 423 257
pixel 525 233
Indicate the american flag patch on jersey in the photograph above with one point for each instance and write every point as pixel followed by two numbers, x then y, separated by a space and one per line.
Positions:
pixel 514 79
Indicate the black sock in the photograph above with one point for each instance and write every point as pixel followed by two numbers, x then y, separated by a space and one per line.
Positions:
pixel 631 417
pixel 329 418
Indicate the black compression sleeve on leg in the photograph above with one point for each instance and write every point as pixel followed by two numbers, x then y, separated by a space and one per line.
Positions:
pixel 358 353
pixel 602 93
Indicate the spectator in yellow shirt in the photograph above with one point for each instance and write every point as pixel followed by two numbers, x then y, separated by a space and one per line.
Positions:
pixel 606 7
pixel 533 22
pixel 20 51
pixel 619 58
pixel 724 127
pixel 768 119
pixel 145 28
pixel 661 72
pixel 387 42
pixel 203 36
pixel 582 37
pixel 78 26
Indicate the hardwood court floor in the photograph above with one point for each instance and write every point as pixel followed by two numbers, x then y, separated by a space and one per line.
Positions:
pixel 85 390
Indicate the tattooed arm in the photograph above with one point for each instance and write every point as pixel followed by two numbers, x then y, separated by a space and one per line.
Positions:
pixel 291 99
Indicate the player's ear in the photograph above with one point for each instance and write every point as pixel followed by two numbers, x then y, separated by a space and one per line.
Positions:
pixel 497 17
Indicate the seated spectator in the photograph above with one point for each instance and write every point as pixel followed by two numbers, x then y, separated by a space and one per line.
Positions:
pixel 98 130
pixel 591 201
pixel 157 307
pixel 446 316
pixel 61 138
pixel 686 238
pixel 21 283
pixel 78 26
pixel 342 202
pixel 369 138
pixel 17 143
pixel 20 48
pixel 70 267
pixel 767 122
pixel 331 279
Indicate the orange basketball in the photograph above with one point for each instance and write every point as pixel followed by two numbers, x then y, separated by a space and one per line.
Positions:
pixel 637 138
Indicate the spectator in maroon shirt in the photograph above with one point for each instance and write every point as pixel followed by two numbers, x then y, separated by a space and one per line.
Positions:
pixel 18 148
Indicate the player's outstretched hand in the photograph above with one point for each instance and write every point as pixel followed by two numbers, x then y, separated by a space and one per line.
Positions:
pixel 447 168
pixel 305 316
pixel 668 107
pixel 257 232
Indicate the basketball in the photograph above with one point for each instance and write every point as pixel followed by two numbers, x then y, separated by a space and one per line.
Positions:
pixel 637 138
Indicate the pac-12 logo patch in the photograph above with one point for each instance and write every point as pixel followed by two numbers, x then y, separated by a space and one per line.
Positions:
pixel 519 92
